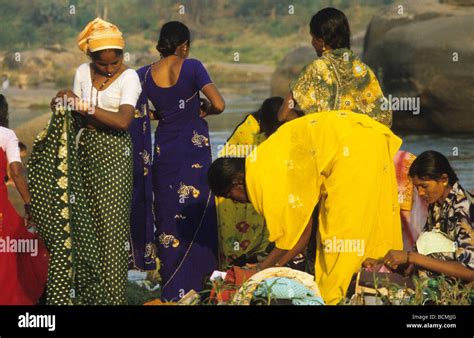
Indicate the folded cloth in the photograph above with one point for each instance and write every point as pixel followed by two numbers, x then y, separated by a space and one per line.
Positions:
pixel 285 288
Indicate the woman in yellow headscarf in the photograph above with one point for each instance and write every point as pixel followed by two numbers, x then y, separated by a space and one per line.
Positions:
pixel 340 159
pixel 81 175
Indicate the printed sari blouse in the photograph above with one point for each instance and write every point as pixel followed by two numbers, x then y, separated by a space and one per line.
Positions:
pixel 340 80
pixel 454 217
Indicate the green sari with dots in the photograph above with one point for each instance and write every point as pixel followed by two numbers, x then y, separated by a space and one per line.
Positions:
pixel 81 184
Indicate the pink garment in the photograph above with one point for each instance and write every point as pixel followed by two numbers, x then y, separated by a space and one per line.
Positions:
pixel 413 210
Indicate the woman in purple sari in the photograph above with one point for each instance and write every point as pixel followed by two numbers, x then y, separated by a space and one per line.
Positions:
pixel 185 213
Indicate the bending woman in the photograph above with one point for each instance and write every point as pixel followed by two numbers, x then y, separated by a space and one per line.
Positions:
pixel 243 237
pixel 342 160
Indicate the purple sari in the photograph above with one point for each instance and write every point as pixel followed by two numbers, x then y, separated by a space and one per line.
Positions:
pixel 141 253
pixel 185 212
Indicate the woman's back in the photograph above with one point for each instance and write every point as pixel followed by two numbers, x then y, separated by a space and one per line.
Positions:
pixel 165 73
pixel 340 80
pixel 173 85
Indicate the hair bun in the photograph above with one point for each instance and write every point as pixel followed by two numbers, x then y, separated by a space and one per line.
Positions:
pixel 165 46
pixel 172 34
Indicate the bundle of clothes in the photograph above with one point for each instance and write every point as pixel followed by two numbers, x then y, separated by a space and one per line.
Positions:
pixel 229 285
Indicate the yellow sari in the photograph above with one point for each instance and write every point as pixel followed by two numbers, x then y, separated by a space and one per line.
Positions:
pixel 242 230
pixel 344 160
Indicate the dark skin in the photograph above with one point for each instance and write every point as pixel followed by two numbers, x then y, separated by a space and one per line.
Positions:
pixel 165 74
pixel 431 191
pixel 286 112
pixel 107 66
pixel 277 257
pixel 16 174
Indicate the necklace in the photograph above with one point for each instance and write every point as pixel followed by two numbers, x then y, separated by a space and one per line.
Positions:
pixel 97 90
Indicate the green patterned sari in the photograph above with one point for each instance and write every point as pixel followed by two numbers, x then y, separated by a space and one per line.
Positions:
pixel 81 181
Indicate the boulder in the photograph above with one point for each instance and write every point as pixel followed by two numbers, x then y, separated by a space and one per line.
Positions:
pixel 426 53
pixel 289 68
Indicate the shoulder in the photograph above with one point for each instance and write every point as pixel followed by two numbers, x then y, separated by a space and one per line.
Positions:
pixel 83 69
pixel 195 63
pixel 316 66
pixel 363 68
pixel 129 76
pixel 463 200
pixel 142 71
pixel 6 135
pixel 7 132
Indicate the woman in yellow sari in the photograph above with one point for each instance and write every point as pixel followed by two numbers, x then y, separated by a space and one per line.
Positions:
pixel 243 236
pixel 342 160
pixel 338 79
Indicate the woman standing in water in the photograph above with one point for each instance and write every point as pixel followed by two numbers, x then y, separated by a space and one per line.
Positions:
pixel 184 207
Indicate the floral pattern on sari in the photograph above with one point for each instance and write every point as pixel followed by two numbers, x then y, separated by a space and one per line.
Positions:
pixel 339 80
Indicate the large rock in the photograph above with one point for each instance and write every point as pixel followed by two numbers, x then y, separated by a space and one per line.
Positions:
pixel 289 68
pixel 414 55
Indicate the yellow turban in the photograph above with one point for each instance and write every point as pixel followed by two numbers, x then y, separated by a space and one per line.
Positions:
pixel 100 35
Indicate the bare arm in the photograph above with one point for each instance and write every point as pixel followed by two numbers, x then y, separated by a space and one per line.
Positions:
pixel 286 112
pixel 394 258
pixel 279 257
pixel 97 117
pixel 453 269
pixel 217 104
pixel 16 173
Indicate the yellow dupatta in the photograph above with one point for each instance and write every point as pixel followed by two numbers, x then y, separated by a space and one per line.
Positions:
pixel 345 160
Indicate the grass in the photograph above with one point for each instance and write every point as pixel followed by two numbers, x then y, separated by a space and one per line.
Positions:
pixel 434 291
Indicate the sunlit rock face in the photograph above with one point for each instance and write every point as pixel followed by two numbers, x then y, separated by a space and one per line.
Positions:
pixel 423 51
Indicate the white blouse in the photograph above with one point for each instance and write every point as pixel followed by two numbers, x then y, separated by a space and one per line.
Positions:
pixel 9 144
pixel 124 90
